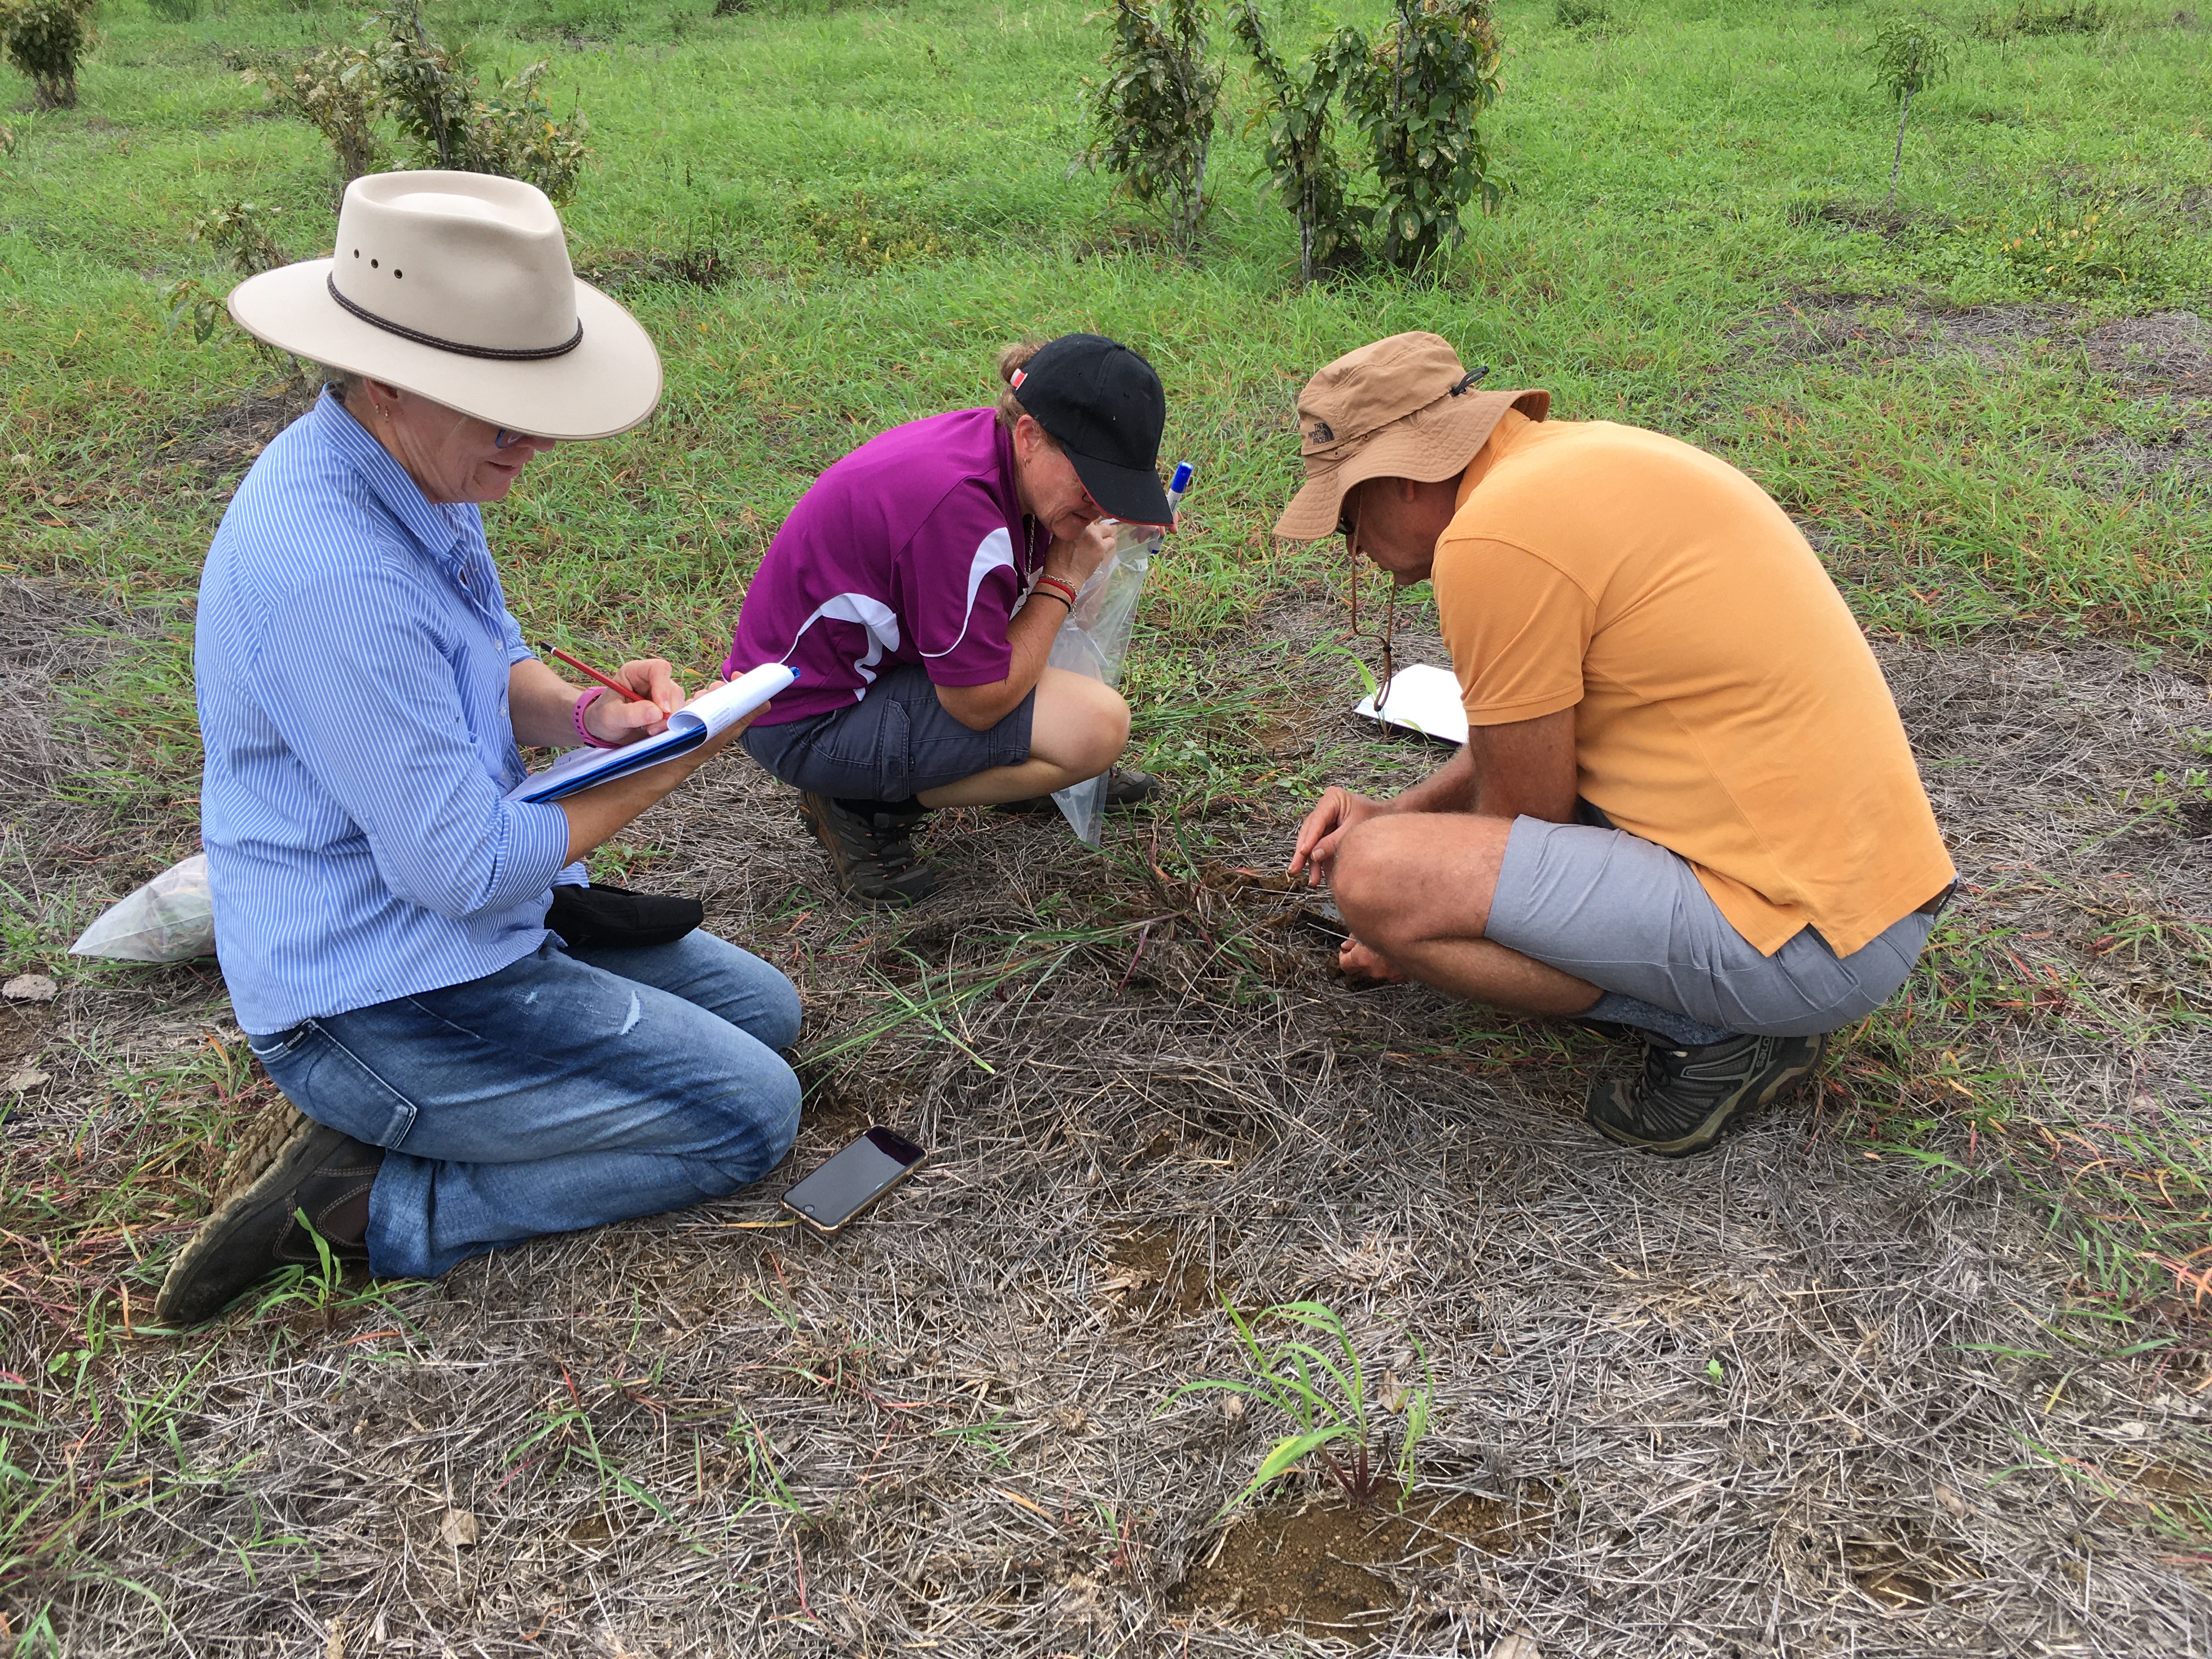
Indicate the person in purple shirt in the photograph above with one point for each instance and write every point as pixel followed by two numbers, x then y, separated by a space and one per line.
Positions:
pixel 917 587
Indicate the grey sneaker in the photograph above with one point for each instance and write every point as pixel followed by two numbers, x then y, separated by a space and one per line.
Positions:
pixel 1686 1095
pixel 873 854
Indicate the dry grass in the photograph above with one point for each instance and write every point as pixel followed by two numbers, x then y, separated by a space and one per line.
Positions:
pixel 1835 1388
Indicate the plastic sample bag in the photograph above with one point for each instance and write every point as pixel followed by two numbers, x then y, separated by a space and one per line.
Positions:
pixel 170 919
pixel 1093 642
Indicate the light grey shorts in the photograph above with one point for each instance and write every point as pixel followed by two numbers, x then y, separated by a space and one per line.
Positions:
pixel 1629 916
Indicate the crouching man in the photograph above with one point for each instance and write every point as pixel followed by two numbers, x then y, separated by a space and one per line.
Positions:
pixel 1686 806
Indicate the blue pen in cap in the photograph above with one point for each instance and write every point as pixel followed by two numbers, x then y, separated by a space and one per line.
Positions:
pixel 1177 484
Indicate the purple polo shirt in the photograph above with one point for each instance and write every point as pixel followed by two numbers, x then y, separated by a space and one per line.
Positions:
pixel 913 549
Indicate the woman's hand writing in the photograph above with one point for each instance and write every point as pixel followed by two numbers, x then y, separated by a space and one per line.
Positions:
pixel 657 696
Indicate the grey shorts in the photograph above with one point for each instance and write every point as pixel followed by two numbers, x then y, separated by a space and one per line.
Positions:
pixel 1629 916
pixel 895 743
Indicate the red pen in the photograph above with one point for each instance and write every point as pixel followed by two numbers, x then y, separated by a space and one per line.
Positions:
pixel 586 669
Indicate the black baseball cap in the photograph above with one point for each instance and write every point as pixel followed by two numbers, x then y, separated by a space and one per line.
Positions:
pixel 1103 404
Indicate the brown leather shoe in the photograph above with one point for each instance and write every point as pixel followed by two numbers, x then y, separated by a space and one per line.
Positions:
pixel 293 1164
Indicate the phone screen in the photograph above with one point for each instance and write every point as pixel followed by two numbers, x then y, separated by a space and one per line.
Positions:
pixel 853 1178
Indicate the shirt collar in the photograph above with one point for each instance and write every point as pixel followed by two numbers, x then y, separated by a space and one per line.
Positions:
pixel 434 530
pixel 1502 436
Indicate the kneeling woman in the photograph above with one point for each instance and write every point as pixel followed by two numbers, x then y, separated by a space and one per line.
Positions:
pixel 466 1080
pixel 917 587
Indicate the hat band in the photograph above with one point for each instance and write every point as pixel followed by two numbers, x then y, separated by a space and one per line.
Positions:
pixel 504 354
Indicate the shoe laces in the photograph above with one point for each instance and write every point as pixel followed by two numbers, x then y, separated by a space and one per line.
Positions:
pixel 1680 1091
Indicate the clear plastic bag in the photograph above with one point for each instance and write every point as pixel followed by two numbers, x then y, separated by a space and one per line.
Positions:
pixel 170 919
pixel 1095 640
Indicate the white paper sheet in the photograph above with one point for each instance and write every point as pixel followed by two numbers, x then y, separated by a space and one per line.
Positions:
pixel 1422 698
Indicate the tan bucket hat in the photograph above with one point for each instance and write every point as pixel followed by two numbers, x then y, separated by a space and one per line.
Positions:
pixel 458 286
pixel 1401 408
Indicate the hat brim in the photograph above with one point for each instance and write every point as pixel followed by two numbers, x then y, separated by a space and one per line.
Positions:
pixel 607 385
pixel 1135 495
pixel 1430 445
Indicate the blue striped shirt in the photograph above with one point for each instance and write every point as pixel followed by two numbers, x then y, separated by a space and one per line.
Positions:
pixel 352 659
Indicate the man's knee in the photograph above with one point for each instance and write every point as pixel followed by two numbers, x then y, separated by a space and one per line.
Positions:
pixel 1369 884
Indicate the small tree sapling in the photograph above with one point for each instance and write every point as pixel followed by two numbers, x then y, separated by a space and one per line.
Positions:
pixel 338 91
pixel 1300 155
pixel 1428 80
pixel 47 40
pixel 1153 113
pixel 244 232
pixel 1910 56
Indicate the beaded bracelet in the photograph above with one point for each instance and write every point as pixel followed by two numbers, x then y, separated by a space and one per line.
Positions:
pixel 584 700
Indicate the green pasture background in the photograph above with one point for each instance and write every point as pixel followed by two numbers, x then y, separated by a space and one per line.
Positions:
pixel 889 190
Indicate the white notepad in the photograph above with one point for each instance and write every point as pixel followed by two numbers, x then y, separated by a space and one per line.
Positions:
pixel 708 715
pixel 1424 699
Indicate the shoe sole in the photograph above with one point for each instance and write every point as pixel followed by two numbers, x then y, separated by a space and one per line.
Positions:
pixel 295 1156
pixel 1701 1137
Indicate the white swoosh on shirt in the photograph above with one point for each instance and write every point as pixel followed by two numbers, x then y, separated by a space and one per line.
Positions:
pixel 994 550
pixel 873 615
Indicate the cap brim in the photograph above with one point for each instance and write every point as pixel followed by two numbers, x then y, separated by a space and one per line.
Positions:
pixel 607 385
pixel 1135 495
pixel 1428 446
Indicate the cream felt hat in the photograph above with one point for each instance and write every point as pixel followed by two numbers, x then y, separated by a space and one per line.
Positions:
pixel 457 286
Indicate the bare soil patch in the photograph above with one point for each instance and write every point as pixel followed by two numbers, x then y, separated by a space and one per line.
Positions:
pixel 2162 363
pixel 1160 1273
pixel 224 443
pixel 1326 1568
pixel 1872 330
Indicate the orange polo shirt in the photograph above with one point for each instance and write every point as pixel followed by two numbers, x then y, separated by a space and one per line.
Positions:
pixel 1727 706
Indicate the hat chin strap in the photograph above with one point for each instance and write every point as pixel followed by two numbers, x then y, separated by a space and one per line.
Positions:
pixel 502 354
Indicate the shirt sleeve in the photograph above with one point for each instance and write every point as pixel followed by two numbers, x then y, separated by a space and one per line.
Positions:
pixel 516 650
pixel 1517 629
pixel 960 582
pixel 355 680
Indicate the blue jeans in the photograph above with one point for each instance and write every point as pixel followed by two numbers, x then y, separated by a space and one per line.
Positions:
pixel 568 1090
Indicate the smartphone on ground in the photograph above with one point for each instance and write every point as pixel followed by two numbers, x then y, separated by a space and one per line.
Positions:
pixel 853 1179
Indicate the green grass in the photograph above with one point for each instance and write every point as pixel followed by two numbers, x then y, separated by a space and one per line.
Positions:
pixel 884 197
pixel 1662 177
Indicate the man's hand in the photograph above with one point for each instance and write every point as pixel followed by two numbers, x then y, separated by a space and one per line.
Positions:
pixel 1357 961
pixel 1323 832
pixel 645 715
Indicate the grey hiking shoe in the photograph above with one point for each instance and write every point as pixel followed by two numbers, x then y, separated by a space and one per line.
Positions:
pixel 292 1166
pixel 1686 1095
pixel 872 853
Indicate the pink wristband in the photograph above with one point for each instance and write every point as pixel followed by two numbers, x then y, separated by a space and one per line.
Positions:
pixel 583 702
